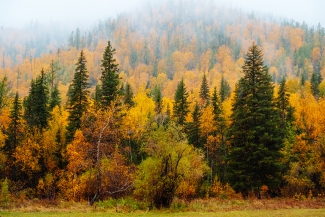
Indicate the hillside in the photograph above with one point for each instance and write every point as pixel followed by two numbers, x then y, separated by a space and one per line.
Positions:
pixel 154 103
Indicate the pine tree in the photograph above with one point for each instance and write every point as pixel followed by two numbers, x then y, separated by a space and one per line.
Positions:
pixel 224 89
pixel 78 99
pixel 55 99
pixel 193 130
pixel 98 97
pixel 204 90
pixel 181 105
pixel 157 97
pixel 255 138
pixel 36 104
pixel 316 79
pixel 15 134
pixel 128 96
pixel 110 78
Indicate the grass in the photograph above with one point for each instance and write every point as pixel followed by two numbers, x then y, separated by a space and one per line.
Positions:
pixel 242 213
pixel 198 207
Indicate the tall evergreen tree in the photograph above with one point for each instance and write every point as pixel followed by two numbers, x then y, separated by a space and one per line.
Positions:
pixel 55 99
pixel 157 97
pixel 36 104
pixel 15 134
pixel 224 89
pixel 255 138
pixel 98 97
pixel 315 81
pixel 193 130
pixel 110 78
pixel 128 96
pixel 78 99
pixel 181 105
pixel 204 90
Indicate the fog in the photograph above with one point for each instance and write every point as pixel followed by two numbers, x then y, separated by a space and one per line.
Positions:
pixel 18 13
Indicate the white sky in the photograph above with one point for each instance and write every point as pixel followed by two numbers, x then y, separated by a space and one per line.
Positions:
pixel 18 13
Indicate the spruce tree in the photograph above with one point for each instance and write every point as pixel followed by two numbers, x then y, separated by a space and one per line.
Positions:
pixel 15 134
pixel 224 89
pixel 110 78
pixel 315 81
pixel 181 105
pixel 204 90
pixel 78 97
pixel 55 99
pixel 193 130
pixel 157 97
pixel 128 96
pixel 36 104
pixel 98 97
pixel 254 135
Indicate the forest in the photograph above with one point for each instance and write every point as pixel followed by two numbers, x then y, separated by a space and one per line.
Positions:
pixel 182 100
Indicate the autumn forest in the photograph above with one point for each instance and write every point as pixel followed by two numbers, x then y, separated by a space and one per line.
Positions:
pixel 180 100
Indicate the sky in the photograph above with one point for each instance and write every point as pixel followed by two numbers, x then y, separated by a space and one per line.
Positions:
pixel 18 13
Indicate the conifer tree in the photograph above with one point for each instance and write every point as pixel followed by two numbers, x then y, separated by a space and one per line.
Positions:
pixel 98 97
pixel 193 130
pixel 204 90
pixel 181 105
pixel 36 104
pixel 224 89
pixel 78 99
pixel 128 96
pixel 15 134
pixel 55 99
pixel 316 79
pixel 255 138
pixel 157 97
pixel 110 78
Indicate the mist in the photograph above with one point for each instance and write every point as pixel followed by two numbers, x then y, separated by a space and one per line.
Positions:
pixel 74 13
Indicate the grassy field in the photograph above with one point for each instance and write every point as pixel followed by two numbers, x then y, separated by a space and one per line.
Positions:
pixel 242 213
pixel 199 207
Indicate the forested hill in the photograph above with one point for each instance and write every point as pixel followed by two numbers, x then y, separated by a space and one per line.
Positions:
pixel 173 38
pixel 188 99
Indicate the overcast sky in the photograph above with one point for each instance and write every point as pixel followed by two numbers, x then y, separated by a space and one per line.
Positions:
pixel 18 13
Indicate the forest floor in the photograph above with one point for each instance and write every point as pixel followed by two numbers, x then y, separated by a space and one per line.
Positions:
pixel 199 207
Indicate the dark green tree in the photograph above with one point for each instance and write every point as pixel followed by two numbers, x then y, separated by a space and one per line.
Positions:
pixel 181 105
pixel 78 97
pixel 315 81
pixel 204 90
pixel 15 134
pixel 254 135
pixel 36 103
pixel 157 97
pixel 224 89
pixel 193 130
pixel 55 99
pixel 128 96
pixel 98 97
pixel 110 78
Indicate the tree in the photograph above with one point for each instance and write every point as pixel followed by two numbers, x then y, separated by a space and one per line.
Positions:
pixel 171 161
pixel 128 96
pixel 193 128
pixel 204 90
pixel 55 99
pixel 181 105
pixel 254 135
pixel 110 78
pixel 224 89
pixel 4 92
pixel 36 104
pixel 315 81
pixel 157 98
pixel 15 135
pixel 78 99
